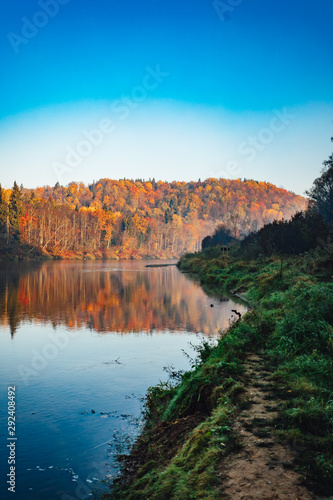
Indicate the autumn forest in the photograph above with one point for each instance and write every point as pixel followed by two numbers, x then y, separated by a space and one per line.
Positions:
pixel 122 219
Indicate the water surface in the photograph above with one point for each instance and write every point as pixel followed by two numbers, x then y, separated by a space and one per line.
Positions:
pixel 82 342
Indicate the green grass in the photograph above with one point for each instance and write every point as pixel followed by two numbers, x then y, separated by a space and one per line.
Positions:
pixel 291 325
pixel 189 474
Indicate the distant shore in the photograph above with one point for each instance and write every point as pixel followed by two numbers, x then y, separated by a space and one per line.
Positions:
pixel 24 253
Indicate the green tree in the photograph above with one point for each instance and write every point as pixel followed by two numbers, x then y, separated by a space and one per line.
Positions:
pixel 321 193
pixel 3 212
pixel 15 207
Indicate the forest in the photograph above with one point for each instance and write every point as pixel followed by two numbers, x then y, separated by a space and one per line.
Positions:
pixel 133 219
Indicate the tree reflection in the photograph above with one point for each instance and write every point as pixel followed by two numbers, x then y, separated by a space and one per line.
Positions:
pixel 107 297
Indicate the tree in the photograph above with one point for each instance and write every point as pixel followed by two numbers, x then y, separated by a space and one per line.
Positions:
pixel 321 193
pixel 206 242
pixel 293 237
pixel 15 207
pixel 222 236
pixel 3 212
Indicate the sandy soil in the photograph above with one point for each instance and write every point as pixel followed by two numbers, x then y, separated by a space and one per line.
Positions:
pixel 263 468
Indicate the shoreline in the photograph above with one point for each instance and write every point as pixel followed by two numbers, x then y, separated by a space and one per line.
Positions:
pixel 25 254
pixel 193 424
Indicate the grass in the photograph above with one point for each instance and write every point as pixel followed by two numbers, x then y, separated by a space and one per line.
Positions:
pixel 187 428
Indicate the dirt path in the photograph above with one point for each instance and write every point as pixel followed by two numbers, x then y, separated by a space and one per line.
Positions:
pixel 262 469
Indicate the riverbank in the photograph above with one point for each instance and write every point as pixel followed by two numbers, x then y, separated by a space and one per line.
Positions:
pixel 196 423
pixel 22 252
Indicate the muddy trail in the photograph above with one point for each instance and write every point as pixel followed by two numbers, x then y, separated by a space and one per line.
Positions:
pixel 262 469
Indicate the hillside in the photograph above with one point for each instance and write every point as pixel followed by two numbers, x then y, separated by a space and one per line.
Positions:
pixel 135 219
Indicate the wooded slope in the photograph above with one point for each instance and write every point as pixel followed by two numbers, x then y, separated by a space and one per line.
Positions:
pixel 134 219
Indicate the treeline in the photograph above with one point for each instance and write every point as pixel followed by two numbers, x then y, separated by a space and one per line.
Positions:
pixel 135 219
pixel 305 230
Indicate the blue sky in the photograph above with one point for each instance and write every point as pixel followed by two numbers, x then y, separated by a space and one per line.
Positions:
pixel 173 90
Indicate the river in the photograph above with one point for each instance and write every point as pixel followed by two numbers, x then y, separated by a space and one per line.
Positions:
pixel 81 342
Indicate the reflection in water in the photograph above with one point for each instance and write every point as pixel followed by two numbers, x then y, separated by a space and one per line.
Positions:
pixel 108 297
pixel 79 401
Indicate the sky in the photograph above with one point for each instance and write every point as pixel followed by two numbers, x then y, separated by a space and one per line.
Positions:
pixel 177 90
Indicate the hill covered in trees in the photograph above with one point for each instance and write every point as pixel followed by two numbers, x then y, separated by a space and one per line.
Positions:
pixel 136 219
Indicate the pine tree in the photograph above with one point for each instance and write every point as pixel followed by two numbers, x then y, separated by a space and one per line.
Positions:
pixel 321 193
pixel 3 212
pixel 15 207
